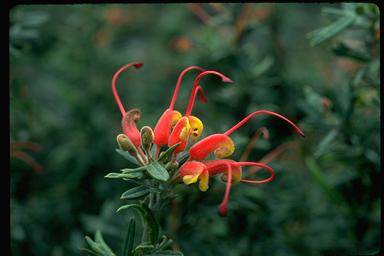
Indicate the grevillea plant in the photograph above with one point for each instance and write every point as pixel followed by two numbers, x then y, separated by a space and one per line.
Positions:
pixel 169 155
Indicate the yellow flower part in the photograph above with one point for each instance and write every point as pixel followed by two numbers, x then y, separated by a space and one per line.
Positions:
pixel 189 179
pixel 193 171
pixel 225 149
pixel 175 117
pixel 196 127
pixel 204 179
pixel 185 130
pixel 219 144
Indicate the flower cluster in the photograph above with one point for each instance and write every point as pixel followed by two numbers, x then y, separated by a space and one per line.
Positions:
pixel 177 131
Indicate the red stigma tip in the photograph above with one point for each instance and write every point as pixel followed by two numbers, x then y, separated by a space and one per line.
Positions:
pixel 227 80
pixel 138 65
pixel 223 210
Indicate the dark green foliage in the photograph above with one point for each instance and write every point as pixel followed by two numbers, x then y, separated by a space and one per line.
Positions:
pixel 317 64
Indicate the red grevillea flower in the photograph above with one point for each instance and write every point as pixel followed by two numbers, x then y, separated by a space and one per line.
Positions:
pixel 174 128
pixel 170 117
pixel 221 145
pixel 193 171
pixel 171 128
pixel 131 117
pixel 191 125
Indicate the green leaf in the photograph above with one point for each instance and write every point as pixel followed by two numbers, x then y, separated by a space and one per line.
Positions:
pixel 163 244
pixel 167 253
pixel 128 170
pixel 112 175
pixel 142 249
pixel 129 175
pixel 89 251
pixel 157 171
pixel 167 154
pixel 150 225
pixel 326 142
pixel 143 183
pixel 134 193
pixel 182 158
pixel 127 156
pixel 319 177
pixel 343 50
pixel 99 239
pixel 320 35
pixel 94 246
pixel 130 238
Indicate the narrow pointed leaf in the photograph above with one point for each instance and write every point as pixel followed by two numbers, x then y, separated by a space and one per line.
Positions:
pixel 127 156
pixel 143 249
pixel 128 170
pixel 326 33
pixel 112 175
pixel 129 175
pixel 99 239
pixel 168 253
pixel 166 155
pixel 89 251
pixel 134 193
pixel 150 225
pixel 94 246
pixel 130 238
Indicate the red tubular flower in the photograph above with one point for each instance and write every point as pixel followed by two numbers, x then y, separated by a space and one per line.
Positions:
pixel 129 126
pixel 192 171
pixel 192 125
pixel 222 145
pixel 180 134
pixel 131 117
pixel 170 117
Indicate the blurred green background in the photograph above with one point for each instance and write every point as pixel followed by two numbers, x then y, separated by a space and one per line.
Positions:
pixel 324 199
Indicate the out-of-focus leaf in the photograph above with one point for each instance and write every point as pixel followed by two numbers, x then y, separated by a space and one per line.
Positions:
pixel 94 246
pixel 320 35
pixel 321 180
pixel 99 248
pixel 89 251
pixel 99 239
pixel 263 66
pixel 326 142
pixel 167 253
pixel 342 50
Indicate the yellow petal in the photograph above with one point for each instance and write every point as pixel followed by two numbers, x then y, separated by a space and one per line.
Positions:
pixel 185 130
pixel 203 184
pixel 196 127
pixel 189 179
